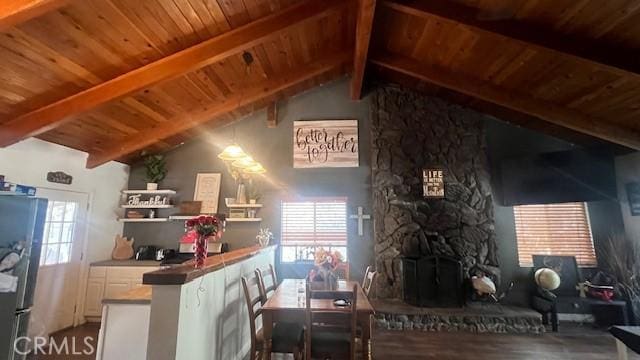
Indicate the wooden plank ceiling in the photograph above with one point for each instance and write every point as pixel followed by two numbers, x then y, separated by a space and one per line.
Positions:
pixel 117 78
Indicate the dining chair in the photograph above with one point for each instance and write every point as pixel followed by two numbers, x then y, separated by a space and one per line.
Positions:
pixel 342 271
pixel 369 280
pixel 273 285
pixel 286 338
pixel 331 330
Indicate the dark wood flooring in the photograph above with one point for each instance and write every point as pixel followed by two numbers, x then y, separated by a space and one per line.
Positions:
pixel 572 342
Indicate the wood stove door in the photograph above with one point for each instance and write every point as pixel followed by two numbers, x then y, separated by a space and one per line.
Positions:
pixel 427 283
pixel 450 289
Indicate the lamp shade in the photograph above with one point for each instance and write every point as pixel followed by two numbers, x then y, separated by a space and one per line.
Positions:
pixel 254 169
pixel 244 162
pixel 232 152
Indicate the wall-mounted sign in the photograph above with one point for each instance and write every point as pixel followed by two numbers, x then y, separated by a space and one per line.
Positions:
pixel 325 143
pixel 633 195
pixel 433 183
pixel 208 191
pixel 59 177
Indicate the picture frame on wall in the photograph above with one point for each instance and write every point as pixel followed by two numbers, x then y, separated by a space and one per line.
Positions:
pixel 433 182
pixel 207 191
pixel 325 144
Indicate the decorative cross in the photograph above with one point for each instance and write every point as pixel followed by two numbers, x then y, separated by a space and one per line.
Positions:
pixel 361 218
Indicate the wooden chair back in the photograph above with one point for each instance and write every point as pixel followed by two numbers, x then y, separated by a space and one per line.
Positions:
pixel 336 319
pixel 267 287
pixel 342 271
pixel 253 297
pixel 369 279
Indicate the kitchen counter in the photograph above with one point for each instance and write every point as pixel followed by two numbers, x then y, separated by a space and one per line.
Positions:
pixel 201 313
pixel 130 262
pixel 140 295
pixel 187 272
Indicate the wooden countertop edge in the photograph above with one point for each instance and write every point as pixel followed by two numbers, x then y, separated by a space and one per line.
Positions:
pixel 186 272
pixel 140 295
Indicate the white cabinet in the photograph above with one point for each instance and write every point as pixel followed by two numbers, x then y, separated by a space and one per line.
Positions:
pixel 109 281
pixel 95 294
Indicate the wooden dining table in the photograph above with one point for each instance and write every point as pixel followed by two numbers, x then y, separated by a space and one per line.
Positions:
pixel 288 303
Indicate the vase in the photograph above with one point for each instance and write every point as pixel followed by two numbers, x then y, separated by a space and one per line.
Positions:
pixel 201 250
pixel 152 186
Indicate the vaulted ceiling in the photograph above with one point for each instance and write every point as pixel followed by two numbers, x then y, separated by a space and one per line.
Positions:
pixel 116 78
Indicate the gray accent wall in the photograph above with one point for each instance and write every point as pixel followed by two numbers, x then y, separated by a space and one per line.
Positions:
pixel 273 147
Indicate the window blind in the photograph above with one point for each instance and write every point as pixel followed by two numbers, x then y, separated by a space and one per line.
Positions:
pixel 318 222
pixel 554 229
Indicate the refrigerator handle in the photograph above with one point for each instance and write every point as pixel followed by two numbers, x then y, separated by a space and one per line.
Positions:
pixel 23 311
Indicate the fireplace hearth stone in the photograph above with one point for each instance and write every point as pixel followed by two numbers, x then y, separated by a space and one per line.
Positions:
pixel 474 318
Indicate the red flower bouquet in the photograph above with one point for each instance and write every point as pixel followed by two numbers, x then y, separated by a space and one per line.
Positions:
pixel 205 227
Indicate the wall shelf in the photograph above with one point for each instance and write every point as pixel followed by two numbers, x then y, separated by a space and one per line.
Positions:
pixel 244 219
pixel 166 192
pixel 244 206
pixel 186 217
pixel 146 206
pixel 142 220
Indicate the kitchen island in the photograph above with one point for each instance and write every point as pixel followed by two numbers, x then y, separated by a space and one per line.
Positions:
pixel 184 312
pixel 124 329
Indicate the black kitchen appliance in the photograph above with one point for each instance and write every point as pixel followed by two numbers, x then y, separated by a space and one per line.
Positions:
pixel 146 252
pixel 21 227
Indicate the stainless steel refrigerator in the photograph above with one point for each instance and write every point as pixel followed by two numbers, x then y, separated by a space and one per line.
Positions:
pixel 21 230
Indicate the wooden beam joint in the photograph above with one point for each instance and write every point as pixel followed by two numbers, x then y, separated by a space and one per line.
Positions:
pixel 272 115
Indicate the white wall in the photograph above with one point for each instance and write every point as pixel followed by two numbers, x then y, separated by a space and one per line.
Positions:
pixel 28 163
pixel 205 319
pixel 628 170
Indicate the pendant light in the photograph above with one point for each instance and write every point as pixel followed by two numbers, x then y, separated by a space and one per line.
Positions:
pixel 254 169
pixel 244 162
pixel 232 152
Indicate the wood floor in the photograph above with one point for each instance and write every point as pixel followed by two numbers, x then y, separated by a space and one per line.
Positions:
pixel 405 345
pixel 571 342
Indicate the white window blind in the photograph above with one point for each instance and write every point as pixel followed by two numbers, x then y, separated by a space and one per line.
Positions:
pixel 316 222
pixel 554 229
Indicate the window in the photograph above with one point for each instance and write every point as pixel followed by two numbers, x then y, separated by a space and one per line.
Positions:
pixel 58 232
pixel 554 229
pixel 313 223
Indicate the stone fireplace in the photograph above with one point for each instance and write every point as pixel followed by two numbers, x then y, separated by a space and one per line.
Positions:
pixel 433 281
pixel 411 132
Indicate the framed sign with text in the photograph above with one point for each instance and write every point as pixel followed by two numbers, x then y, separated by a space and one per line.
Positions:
pixel 433 183
pixel 325 143
pixel 207 191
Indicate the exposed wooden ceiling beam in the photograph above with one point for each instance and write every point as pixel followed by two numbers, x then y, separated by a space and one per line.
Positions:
pixel 519 102
pixel 501 113
pixel 272 115
pixel 243 98
pixel 584 50
pixel 14 12
pixel 190 59
pixel 364 24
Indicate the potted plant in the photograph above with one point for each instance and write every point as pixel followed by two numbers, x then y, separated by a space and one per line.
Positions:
pixel 621 259
pixel 156 170
pixel 253 192
pixel 323 276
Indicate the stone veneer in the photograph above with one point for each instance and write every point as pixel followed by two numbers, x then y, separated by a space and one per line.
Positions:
pixel 411 132
pixel 476 318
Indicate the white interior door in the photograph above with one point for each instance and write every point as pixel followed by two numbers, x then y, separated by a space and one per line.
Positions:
pixel 59 272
